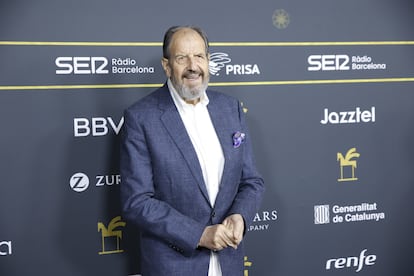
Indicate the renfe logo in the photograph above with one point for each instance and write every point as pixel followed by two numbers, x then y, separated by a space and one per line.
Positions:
pixel 347 262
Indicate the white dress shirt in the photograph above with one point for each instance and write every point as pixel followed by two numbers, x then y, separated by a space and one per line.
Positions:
pixel 203 136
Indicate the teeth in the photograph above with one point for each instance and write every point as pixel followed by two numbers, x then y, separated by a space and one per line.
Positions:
pixel 192 76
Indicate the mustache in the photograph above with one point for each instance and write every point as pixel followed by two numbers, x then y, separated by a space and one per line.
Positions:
pixel 191 73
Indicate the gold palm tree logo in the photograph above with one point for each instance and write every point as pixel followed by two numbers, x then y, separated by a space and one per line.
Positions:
pixel 348 161
pixel 110 232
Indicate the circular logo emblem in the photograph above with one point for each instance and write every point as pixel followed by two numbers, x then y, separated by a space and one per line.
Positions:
pixel 79 182
pixel 280 19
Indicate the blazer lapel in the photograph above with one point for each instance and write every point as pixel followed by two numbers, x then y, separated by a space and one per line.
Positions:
pixel 218 118
pixel 175 127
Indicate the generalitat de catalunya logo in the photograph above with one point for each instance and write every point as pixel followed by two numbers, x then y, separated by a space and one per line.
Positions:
pixel 337 214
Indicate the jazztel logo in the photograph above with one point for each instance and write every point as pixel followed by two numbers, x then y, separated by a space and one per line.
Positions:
pixel 348 117
pixel 348 262
pixel 347 161
pixel 111 234
pixel 218 61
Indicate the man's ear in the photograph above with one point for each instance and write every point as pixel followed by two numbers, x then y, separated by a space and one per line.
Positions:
pixel 166 67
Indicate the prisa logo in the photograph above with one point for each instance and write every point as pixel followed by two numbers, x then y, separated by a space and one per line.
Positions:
pixel 218 61
pixel 348 262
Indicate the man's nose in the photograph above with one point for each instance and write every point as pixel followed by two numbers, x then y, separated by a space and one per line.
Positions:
pixel 191 62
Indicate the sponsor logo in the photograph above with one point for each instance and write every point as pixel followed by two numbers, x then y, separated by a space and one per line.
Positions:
pixel 347 162
pixel 244 108
pixel 79 182
pixel 262 220
pixel 321 214
pixel 247 265
pixel 280 19
pixel 111 235
pixel 220 61
pixel 99 66
pixel 342 62
pixel 81 65
pixel 96 126
pixel 348 117
pixel 5 248
pixel 357 262
pixel 347 213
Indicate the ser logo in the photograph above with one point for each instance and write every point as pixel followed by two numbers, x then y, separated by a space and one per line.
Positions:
pixel 328 63
pixel 81 65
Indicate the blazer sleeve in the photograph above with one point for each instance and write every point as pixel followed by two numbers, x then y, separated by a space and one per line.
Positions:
pixel 139 205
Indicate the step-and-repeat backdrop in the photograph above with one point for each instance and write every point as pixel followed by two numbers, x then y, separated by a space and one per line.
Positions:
pixel 328 91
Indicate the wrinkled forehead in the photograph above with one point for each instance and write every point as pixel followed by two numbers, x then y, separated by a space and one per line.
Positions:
pixel 187 41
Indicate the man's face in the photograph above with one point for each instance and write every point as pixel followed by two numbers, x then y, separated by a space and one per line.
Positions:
pixel 187 66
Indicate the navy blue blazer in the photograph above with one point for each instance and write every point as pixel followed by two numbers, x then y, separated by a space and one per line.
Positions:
pixel 163 191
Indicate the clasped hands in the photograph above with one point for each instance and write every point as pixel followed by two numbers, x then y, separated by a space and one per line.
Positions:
pixel 228 233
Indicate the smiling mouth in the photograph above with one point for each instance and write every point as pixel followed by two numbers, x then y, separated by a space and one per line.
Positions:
pixel 192 75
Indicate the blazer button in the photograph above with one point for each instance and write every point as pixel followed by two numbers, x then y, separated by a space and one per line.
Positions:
pixel 213 214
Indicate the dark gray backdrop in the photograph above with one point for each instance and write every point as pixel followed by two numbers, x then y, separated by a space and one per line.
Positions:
pixel 55 126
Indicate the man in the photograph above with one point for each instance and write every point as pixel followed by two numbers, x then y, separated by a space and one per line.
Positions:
pixel 188 176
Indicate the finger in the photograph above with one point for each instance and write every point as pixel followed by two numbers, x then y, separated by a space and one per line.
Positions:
pixel 227 237
pixel 229 224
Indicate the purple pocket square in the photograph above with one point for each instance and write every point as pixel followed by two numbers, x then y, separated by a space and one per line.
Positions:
pixel 238 139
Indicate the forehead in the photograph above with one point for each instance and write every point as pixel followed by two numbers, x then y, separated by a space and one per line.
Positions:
pixel 187 41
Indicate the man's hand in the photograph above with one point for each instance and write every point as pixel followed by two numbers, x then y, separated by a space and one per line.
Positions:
pixel 217 237
pixel 235 224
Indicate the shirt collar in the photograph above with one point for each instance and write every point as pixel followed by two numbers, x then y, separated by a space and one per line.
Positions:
pixel 179 102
